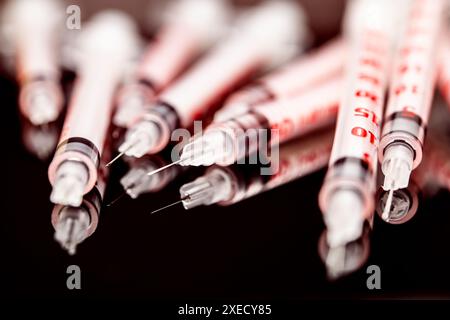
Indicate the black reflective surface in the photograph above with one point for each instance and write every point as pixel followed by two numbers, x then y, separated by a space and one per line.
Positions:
pixel 264 247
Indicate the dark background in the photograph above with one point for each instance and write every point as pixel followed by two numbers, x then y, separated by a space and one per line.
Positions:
pixel 264 247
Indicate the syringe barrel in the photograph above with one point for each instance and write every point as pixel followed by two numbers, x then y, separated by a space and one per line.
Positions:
pixel 294 160
pixel 210 79
pixel 34 39
pixel 34 31
pixel 353 162
pixel 309 70
pixel 280 120
pixel 413 79
pixel 106 46
pixel 189 27
pixel 182 37
pixel 255 45
pixel 164 58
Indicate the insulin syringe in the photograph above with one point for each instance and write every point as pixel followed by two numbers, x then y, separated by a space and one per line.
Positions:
pixel 264 36
pixel 106 43
pixel 228 185
pixel 33 29
pixel 444 68
pixel 411 93
pixel 294 78
pixel 347 195
pixel 188 28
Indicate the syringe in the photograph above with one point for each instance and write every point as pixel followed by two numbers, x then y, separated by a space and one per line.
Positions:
pixel 189 27
pixel 411 93
pixel 347 195
pixel 32 31
pixel 444 68
pixel 106 44
pixel 294 78
pixel 226 142
pixel 73 224
pixel 264 36
pixel 228 185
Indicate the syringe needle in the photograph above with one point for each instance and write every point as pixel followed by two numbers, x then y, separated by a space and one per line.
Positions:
pixel 116 158
pixel 387 207
pixel 117 198
pixel 120 154
pixel 170 205
pixel 120 196
pixel 163 168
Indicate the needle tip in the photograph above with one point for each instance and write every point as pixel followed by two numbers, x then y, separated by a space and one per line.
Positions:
pixel 115 159
pixel 117 199
pixel 163 168
pixel 170 205
pixel 387 207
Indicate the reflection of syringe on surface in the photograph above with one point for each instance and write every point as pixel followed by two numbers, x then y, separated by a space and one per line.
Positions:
pixel 403 204
pixel 136 181
pixel 309 70
pixel 41 140
pixel 32 29
pixel 106 42
pixel 346 259
pixel 265 36
pixel 74 224
pixel 189 27
pixel 228 185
